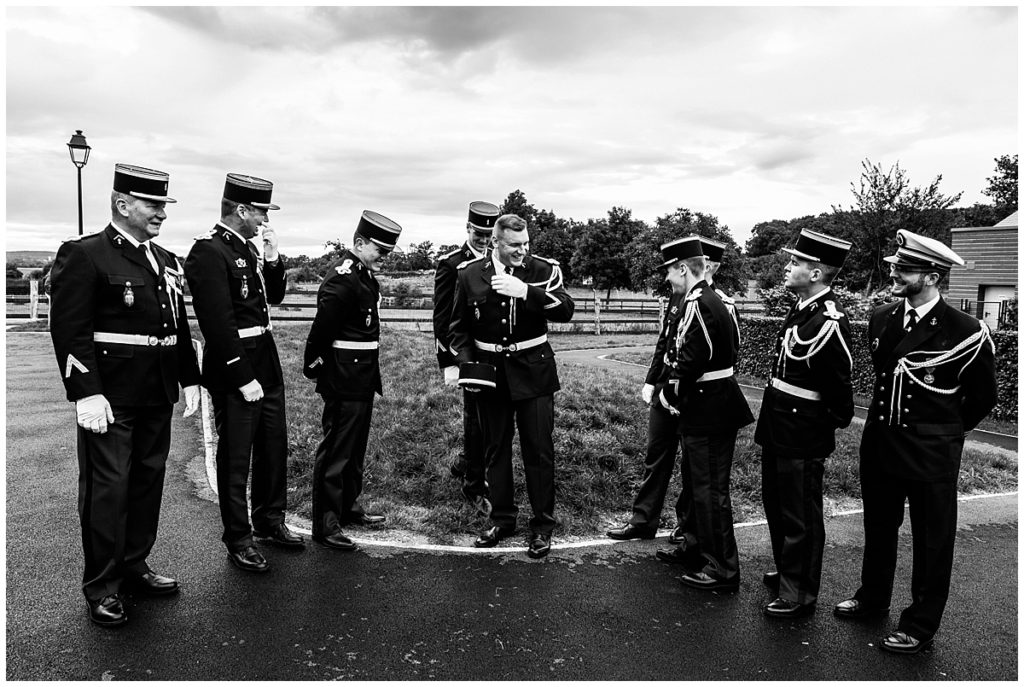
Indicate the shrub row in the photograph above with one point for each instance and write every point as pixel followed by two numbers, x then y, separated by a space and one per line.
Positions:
pixel 760 332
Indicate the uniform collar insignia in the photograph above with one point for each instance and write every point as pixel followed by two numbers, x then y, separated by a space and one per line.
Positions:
pixel 240 262
pixel 934 321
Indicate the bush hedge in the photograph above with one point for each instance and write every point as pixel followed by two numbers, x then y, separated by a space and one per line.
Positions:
pixel 759 333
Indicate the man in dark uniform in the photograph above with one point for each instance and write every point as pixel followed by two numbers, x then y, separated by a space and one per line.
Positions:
pixel 934 382
pixel 232 287
pixel 810 395
pixel 341 354
pixel 470 466
pixel 702 390
pixel 502 306
pixel 121 336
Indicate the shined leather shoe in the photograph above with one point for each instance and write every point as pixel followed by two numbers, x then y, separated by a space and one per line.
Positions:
pixel 900 642
pixel 365 519
pixel 701 580
pixel 781 608
pixel 282 536
pixel 540 545
pixel 855 608
pixel 249 559
pixel 631 531
pixel 338 540
pixel 677 536
pixel 492 537
pixel 152 584
pixel 108 611
pixel 771 580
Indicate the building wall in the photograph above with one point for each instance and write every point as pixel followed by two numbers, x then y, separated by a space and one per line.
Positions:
pixel 991 257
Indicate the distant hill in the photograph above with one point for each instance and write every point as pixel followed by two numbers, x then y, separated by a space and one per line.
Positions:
pixel 30 258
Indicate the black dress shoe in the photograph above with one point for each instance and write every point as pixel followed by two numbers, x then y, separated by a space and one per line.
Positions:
pixel 282 536
pixel 632 531
pixel 701 580
pixel 492 536
pixel 677 536
pixel 152 583
pixel 781 608
pixel 108 611
pixel 338 541
pixel 540 545
pixel 364 519
pixel 771 580
pixel 679 556
pixel 855 608
pixel 249 559
pixel 900 642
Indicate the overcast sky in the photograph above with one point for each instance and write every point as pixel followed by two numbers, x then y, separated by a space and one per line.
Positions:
pixel 746 113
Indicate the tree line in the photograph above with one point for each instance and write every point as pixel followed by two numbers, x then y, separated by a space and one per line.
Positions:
pixel 619 251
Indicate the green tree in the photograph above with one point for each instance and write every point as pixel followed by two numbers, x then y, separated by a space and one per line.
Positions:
pixel 12 271
pixel 516 204
pixel 1002 187
pixel 600 249
pixel 555 238
pixel 420 256
pixel 446 248
pixel 885 202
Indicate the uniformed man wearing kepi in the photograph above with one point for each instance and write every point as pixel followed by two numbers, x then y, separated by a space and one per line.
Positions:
pixel 503 303
pixel 934 382
pixel 470 466
pixel 233 283
pixel 809 396
pixel 123 346
pixel 702 390
pixel 341 354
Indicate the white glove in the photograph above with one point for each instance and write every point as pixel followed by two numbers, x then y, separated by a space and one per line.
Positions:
pixel 94 413
pixel 269 236
pixel 252 391
pixel 665 405
pixel 647 393
pixel 510 286
pixel 451 375
pixel 191 399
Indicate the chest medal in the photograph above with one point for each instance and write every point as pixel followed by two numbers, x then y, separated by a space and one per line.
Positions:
pixel 874 345
pixel 129 295
pixel 929 377
pixel 244 291
pixel 476 311
pixel 369 318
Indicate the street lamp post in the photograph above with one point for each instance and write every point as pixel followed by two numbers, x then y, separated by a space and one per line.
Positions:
pixel 79 150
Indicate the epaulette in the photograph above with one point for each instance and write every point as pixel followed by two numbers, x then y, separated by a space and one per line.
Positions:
pixel 470 262
pixel 448 255
pixel 694 295
pixel 725 297
pixel 547 260
pixel 830 311
pixel 208 235
pixel 73 238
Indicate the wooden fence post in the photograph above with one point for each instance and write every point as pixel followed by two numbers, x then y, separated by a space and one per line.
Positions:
pixel 661 313
pixel 33 299
pixel 597 313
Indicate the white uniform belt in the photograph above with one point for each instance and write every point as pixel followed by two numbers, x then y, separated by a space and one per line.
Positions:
pixel 795 390
pixel 716 374
pixel 258 330
pixel 134 339
pixel 356 345
pixel 512 347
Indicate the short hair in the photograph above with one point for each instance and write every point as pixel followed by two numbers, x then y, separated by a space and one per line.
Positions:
pixel 695 265
pixel 116 196
pixel 228 207
pixel 509 223
pixel 828 272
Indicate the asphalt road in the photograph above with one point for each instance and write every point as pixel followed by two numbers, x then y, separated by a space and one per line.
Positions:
pixel 386 613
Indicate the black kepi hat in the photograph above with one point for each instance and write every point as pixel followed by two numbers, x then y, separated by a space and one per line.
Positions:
pixel 379 229
pixel 141 182
pixel 246 190
pixel 477 376
pixel 817 247
pixel 681 249
pixel 713 250
pixel 483 215
pixel 916 253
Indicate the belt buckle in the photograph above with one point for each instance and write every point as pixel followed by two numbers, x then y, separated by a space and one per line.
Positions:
pixel 513 347
pixel 153 341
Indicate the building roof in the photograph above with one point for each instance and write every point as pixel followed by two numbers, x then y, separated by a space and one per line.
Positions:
pixel 1010 221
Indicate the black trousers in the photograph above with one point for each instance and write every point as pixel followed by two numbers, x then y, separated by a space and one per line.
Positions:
pixel 474 481
pixel 338 469
pixel 791 495
pixel 708 470
pixel 120 485
pixel 535 418
pixel 933 511
pixel 256 432
pixel 662 445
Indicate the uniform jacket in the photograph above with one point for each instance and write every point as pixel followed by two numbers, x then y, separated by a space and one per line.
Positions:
pixel 931 387
pixel 812 352
pixel 445 277
pixel 658 371
pixel 481 314
pixel 346 310
pixel 102 283
pixel 705 342
pixel 230 292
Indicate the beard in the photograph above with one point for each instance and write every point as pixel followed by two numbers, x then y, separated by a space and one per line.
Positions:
pixel 907 289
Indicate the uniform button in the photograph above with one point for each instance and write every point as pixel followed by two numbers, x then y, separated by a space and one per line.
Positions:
pixel 881 417
pixel 504 302
pixel 881 403
pixel 883 375
pixel 903 426
pixel 910 395
pixel 105 352
pixel 164 307
pixel 504 321
pixel 356 360
pixel 794 410
pixel 165 324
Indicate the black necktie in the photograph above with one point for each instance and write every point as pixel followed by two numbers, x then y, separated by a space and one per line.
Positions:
pixel 508 269
pixel 911 319
pixel 255 253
